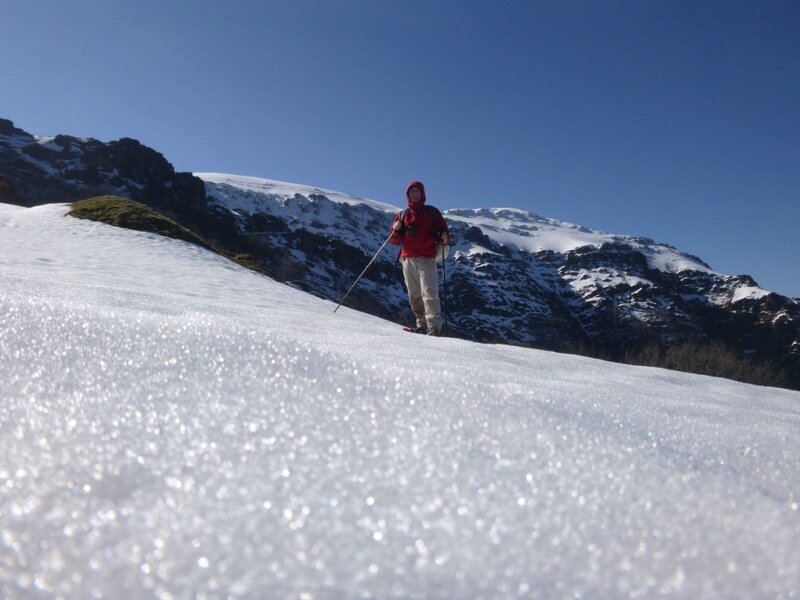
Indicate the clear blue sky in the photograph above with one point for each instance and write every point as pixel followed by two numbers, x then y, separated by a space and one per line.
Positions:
pixel 675 120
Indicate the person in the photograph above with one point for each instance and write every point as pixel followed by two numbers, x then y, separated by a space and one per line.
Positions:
pixel 419 229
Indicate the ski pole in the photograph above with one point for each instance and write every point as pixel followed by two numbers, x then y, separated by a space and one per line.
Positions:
pixel 364 271
pixel 444 289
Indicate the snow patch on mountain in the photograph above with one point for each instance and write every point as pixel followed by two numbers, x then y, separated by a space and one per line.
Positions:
pixel 257 189
pixel 748 293
pixel 529 232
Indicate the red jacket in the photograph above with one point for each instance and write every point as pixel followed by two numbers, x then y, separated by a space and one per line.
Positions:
pixel 419 226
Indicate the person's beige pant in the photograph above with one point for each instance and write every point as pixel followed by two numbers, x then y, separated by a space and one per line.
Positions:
pixel 422 282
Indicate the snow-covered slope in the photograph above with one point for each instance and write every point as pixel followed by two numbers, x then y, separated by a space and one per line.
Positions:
pixel 258 191
pixel 174 426
pixel 529 232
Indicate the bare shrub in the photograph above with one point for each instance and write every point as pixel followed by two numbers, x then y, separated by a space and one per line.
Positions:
pixel 712 358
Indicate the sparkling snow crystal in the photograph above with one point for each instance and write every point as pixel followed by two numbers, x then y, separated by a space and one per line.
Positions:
pixel 174 426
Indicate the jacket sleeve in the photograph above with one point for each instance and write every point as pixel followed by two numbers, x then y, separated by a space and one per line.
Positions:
pixel 396 238
pixel 442 226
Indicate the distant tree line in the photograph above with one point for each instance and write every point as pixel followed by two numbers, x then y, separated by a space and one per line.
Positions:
pixel 712 358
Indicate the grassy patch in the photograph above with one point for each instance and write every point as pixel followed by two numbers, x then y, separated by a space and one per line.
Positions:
pixel 128 214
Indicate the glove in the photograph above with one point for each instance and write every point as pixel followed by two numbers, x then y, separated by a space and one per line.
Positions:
pixel 397 226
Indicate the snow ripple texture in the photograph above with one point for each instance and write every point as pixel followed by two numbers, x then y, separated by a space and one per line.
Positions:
pixel 173 426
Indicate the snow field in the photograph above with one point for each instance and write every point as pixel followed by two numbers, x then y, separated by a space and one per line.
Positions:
pixel 173 426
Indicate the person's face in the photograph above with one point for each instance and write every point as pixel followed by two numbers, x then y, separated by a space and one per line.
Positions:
pixel 415 194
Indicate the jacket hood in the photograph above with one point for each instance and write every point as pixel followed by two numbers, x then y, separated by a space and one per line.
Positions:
pixel 419 185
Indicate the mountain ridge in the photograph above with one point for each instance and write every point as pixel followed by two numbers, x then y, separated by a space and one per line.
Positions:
pixel 513 276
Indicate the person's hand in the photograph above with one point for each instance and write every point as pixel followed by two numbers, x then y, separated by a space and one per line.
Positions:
pixel 398 225
pixel 445 240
